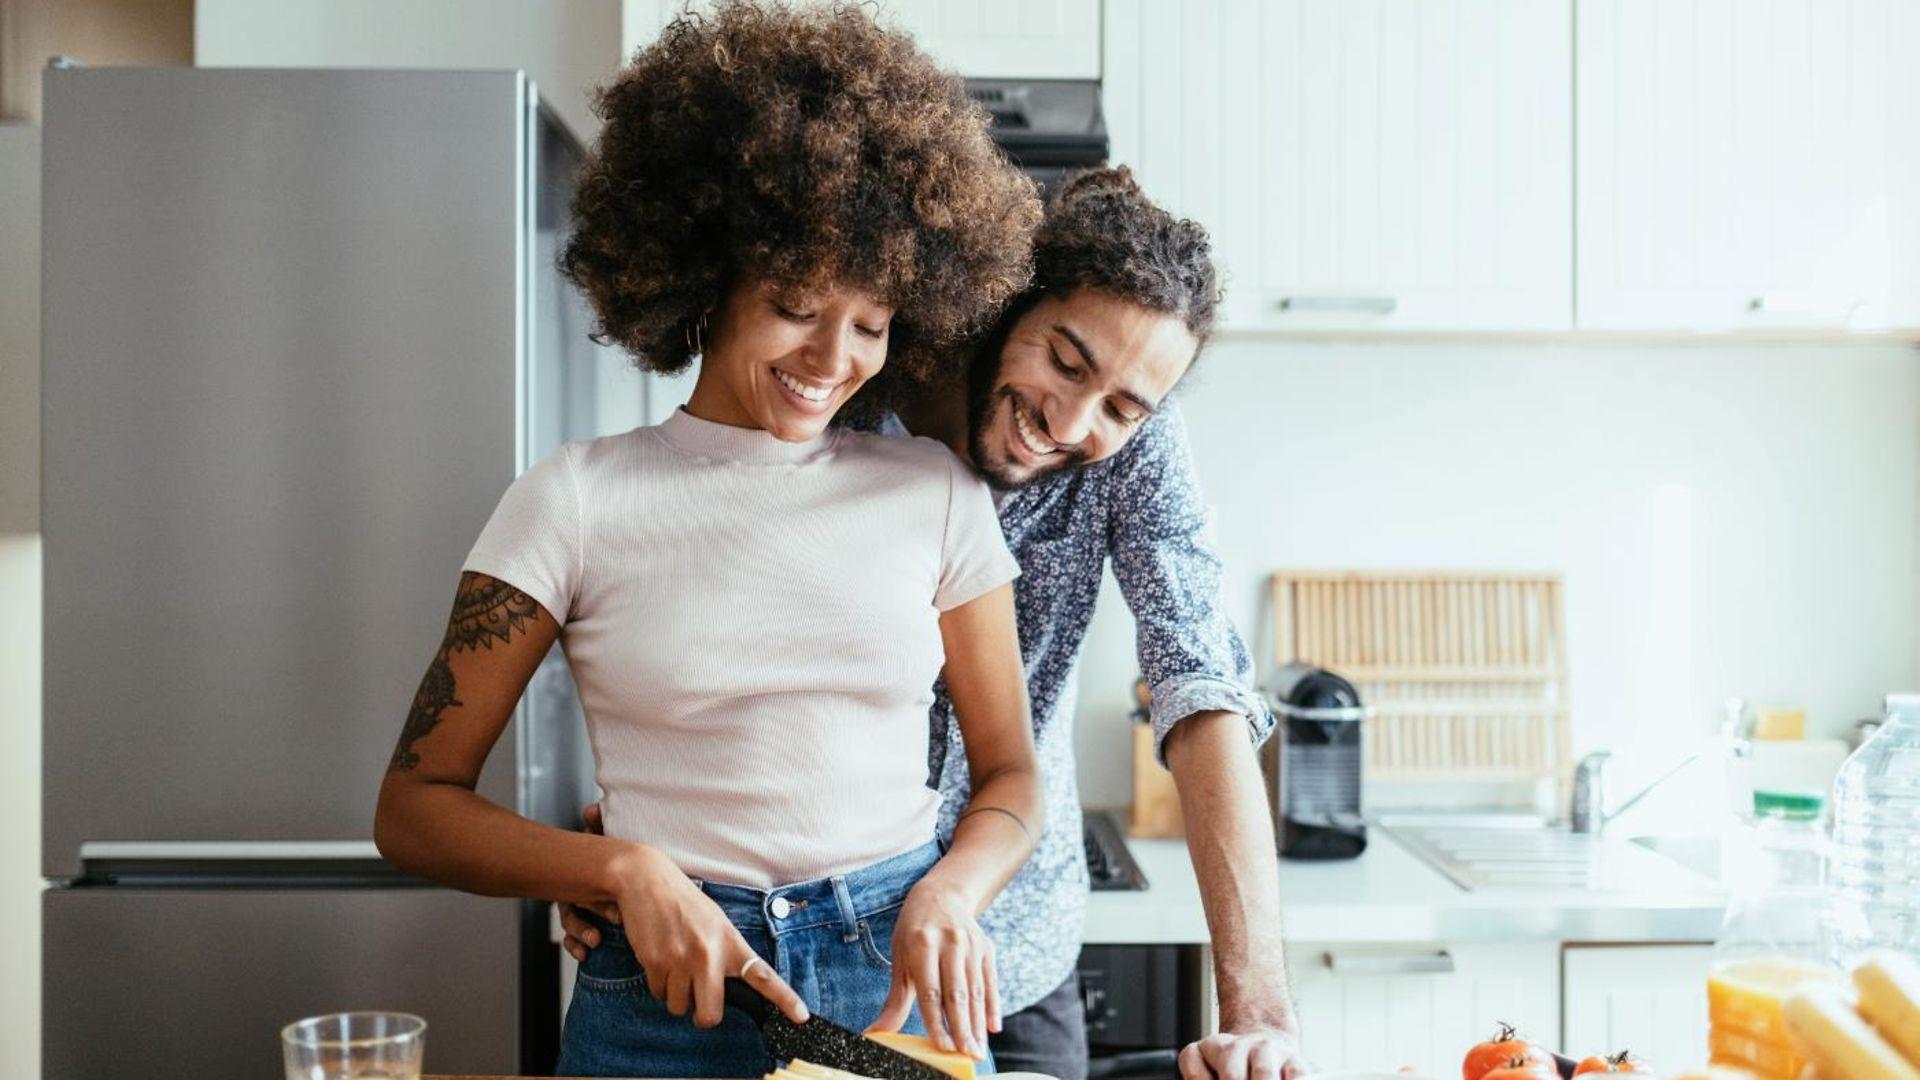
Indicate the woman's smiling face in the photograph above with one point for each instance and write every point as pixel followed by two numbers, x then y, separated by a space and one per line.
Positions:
pixel 785 363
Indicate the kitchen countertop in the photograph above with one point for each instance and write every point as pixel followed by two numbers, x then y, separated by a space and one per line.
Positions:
pixel 1386 896
pixel 1390 896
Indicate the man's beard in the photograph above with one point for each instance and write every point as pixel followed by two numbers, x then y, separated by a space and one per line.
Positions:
pixel 982 374
pixel 984 398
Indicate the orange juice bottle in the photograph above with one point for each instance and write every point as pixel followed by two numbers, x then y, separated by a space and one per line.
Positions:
pixel 1774 938
pixel 1743 1014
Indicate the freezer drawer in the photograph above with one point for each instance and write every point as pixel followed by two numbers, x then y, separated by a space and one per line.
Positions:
pixel 199 982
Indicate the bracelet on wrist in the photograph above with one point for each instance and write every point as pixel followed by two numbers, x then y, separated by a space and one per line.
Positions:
pixel 1017 820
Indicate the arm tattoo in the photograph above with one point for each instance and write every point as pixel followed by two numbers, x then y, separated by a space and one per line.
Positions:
pixel 485 610
pixel 434 697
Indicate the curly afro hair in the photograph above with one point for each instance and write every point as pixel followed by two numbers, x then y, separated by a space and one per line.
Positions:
pixel 805 147
pixel 1102 231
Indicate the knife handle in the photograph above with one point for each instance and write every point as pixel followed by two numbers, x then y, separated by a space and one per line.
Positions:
pixel 741 995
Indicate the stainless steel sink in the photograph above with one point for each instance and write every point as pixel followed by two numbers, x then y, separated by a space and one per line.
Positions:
pixel 1525 853
pixel 1700 854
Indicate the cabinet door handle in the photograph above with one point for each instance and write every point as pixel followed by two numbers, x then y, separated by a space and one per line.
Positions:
pixel 1438 962
pixel 1802 306
pixel 1371 305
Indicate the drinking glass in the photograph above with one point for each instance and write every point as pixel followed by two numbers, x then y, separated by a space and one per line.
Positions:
pixel 355 1046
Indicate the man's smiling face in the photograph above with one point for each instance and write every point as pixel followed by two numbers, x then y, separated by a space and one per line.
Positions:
pixel 1077 375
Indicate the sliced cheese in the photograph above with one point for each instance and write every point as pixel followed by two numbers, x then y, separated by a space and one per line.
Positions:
pixel 821 1072
pixel 1823 1024
pixel 921 1048
pixel 807 1070
pixel 1889 985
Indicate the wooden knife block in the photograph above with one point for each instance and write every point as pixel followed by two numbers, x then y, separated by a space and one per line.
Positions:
pixel 1156 802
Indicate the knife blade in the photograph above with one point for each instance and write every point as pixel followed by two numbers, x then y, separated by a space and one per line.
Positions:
pixel 823 1042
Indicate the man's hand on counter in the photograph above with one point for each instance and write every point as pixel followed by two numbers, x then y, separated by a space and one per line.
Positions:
pixel 1230 843
pixel 1255 1054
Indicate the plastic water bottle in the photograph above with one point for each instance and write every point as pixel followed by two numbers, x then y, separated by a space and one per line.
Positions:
pixel 1874 872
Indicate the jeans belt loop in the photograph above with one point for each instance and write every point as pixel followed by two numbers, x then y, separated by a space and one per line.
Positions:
pixel 849 922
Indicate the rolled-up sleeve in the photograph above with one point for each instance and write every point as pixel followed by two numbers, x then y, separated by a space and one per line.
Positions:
pixel 1164 557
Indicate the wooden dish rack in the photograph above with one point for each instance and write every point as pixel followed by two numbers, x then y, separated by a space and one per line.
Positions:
pixel 1465 673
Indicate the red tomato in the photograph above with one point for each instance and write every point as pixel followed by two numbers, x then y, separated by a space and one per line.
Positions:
pixel 1522 1069
pixel 1503 1052
pixel 1622 1062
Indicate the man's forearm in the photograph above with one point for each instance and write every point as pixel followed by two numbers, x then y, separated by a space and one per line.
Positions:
pixel 1230 840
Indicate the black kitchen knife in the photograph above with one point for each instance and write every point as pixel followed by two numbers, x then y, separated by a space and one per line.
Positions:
pixel 823 1042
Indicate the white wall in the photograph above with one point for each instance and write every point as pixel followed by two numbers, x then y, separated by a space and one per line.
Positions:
pixel 20 599
pixel 567 46
pixel 1777 486
pixel 20 804
pixel 98 33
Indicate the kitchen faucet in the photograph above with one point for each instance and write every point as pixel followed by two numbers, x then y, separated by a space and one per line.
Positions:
pixel 1588 814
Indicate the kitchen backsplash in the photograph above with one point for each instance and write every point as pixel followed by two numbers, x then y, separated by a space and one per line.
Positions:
pixel 1730 518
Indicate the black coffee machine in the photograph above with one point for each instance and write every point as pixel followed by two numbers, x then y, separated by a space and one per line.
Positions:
pixel 1312 764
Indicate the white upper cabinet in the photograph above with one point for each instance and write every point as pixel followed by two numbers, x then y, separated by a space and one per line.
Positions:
pixel 1360 164
pixel 1748 164
pixel 1500 165
pixel 983 39
pixel 1006 39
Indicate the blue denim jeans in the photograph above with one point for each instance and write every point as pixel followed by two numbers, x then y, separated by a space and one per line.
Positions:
pixel 831 943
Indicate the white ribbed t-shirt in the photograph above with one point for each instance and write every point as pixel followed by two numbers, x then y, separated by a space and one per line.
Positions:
pixel 753 625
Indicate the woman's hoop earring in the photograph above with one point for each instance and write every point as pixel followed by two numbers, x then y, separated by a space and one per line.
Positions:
pixel 696 336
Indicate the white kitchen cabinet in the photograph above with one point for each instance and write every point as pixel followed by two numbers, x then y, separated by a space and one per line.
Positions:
pixel 1006 39
pixel 1374 1008
pixel 640 23
pixel 1650 999
pixel 1747 164
pixel 989 39
pixel 1360 164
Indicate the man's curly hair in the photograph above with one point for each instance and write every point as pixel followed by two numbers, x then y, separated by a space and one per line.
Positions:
pixel 804 146
pixel 1102 231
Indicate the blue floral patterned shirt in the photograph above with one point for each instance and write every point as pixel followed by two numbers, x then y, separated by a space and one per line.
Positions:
pixel 1142 509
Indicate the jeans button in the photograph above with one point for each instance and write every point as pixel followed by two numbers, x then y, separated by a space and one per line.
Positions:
pixel 780 907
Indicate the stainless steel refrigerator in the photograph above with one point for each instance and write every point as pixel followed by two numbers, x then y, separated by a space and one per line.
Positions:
pixel 301 329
